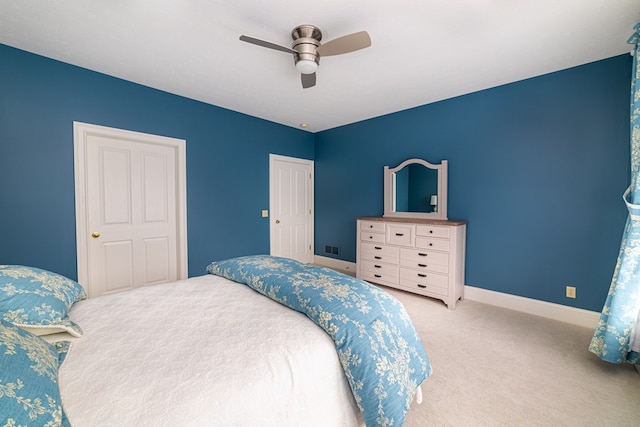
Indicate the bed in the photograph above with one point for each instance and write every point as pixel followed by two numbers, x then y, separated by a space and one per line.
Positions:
pixel 231 348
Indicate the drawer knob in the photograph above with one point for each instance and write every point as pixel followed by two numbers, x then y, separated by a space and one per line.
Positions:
pixel 377 275
pixel 422 286
pixel 377 257
pixel 421 254
pixel 431 231
pixel 399 234
pixel 430 244
pixel 422 265
pixel 422 275
pixel 377 247
pixel 377 266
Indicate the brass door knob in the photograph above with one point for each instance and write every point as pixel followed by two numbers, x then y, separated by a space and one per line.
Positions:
pixel 277 221
pixel 95 234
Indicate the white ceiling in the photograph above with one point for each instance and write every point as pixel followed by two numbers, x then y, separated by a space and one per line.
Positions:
pixel 422 50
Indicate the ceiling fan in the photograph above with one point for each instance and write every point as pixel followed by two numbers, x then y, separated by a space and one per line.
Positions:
pixel 307 49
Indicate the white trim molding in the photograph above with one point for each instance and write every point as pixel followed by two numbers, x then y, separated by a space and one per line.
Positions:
pixel 336 264
pixel 563 313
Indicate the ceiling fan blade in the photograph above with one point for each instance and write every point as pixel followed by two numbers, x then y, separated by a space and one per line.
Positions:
pixel 267 44
pixel 308 80
pixel 345 44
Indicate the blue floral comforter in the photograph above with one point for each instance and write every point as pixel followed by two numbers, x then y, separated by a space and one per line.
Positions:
pixel 378 347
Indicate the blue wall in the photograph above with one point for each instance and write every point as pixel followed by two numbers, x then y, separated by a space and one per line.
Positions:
pixel 537 167
pixel 227 160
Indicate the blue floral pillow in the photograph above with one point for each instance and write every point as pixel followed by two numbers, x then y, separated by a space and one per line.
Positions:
pixel 38 300
pixel 29 392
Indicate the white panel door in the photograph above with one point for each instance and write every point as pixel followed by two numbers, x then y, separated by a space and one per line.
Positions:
pixel 291 204
pixel 132 213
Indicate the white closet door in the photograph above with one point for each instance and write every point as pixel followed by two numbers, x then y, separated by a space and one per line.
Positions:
pixel 131 201
pixel 291 200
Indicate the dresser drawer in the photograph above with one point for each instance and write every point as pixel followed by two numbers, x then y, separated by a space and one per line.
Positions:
pixel 432 231
pixel 398 234
pixel 372 226
pixel 430 261
pixel 379 271
pixel 424 289
pixel 381 253
pixel 372 237
pixel 431 282
pixel 376 278
pixel 432 243
pixel 424 256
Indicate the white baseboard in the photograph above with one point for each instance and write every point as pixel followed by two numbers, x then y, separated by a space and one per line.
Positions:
pixel 336 264
pixel 563 313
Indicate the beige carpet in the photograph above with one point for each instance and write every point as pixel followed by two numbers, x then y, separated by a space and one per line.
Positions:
pixel 497 367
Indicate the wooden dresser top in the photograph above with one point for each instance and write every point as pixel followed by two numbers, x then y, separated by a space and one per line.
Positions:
pixel 413 220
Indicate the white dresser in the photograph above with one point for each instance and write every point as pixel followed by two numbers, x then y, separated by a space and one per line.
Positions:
pixel 417 255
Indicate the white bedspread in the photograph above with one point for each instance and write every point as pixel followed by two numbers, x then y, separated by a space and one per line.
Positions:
pixel 201 352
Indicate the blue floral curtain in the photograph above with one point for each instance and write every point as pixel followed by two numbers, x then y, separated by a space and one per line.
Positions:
pixel 617 338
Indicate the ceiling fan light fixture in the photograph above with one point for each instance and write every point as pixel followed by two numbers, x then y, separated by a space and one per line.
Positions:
pixel 307 50
pixel 306 66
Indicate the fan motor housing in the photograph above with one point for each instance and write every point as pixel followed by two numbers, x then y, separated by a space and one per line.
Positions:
pixel 306 40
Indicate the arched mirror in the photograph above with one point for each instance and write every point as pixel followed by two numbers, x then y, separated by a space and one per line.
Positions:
pixel 416 189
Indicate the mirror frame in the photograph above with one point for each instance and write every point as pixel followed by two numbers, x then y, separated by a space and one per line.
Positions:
pixel 389 190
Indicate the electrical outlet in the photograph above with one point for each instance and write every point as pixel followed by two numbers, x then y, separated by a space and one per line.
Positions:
pixel 571 291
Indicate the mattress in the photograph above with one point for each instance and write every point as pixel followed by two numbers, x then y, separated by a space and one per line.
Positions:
pixel 204 351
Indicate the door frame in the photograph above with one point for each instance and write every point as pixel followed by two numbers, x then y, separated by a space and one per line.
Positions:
pixel 81 131
pixel 310 163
